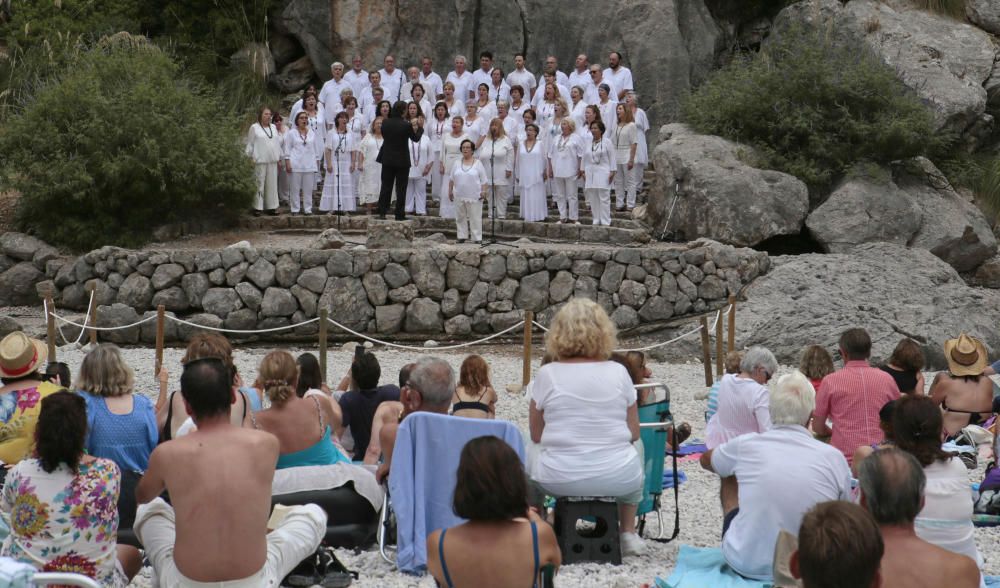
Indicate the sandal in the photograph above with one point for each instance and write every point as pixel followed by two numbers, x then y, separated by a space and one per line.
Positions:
pixel 322 568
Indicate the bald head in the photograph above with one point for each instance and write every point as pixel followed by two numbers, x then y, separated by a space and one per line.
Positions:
pixel 892 486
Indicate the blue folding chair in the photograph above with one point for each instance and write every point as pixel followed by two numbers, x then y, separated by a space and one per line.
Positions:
pixel 654 420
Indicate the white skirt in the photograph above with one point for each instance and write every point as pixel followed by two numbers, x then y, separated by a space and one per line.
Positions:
pixel 533 207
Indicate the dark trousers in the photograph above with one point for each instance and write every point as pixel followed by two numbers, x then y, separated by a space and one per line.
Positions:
pixel 399 175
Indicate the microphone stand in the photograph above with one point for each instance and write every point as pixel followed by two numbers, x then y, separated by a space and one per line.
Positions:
pixel 493 200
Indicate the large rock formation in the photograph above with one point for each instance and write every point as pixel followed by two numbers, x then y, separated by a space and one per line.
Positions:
pixel 667 43
pixel 720 195
pixel 890 290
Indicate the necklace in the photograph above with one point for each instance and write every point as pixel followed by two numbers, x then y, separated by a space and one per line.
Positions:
pixel 563 141
pixel 440 128
pixel 533 143
pixel 596 150
pixel 415 152
pixel 267 131
pixel 305 136
pixel 465 169
pixel 342 138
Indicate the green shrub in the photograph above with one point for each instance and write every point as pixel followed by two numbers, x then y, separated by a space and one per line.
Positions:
pixel 36 20
pixel 813 109
pixel 979 172
pixel 119 144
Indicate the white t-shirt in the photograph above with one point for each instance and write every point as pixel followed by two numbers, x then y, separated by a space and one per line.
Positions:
pixel 523 78
pixel 462 84
pixel 744 407
pixel 392 84
pixel 586 433
pixel 946 519
pixel 330 96
pixel 480 77
pixel 432 85
pixel 579 79
pixel 561 79
pixel 622 79
pixel 357 80
pixel 782 474
pixel 468 180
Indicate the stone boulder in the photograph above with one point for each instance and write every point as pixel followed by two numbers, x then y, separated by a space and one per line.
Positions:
pixel 255 57
pixel 17 285
pixel 890 290
pixel 347 301
pixel 294 76
pixel 985 14
pixel 721 196
pixel 20 246
pixel 118 315
pixel 423 315
pixel 862 210
pixel 328 239
pixel 8 325
pixel 389 235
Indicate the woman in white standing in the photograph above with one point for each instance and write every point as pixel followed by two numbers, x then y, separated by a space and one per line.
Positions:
pixel 317 122
pixel 341 159
pixel 641 150
pixel 421 164
pixel 591 114
pixel 578 110
pixel 456 106
pixel 607 107
pixel 436 128
pixel 531 173
pixel 467 189
pixel 625 147
pixel 486 108
pixel 517 103
pixel 371 171
pixel 451 153
pixel 417 95
pixel 264 148
pixel 497 155
pixel 303 149
pixel 599 174
pixel 356 127
pixel 499 90
pixel 546 110
pixel 473 125
pixel 564 169
pixel 283 176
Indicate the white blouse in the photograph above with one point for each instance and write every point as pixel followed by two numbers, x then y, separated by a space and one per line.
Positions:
pixel 564 156
pixel 474 129
pixel 468 181
pixel 598 163
pixel 263 145
pixel 421 155
pixel 502 154
pixel 457 108
pixel 624 138
pixel 303 153
pixel 436 130
pixel 451 150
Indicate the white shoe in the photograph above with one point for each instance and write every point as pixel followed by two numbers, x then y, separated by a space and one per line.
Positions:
pixel 632 544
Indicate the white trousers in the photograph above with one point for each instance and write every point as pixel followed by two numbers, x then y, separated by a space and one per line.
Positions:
pixel 469 219
pixel 267 186
pixel 300 194
pixel 296 538
pixel 600 204
pixel 502 198
pixel 416 195
pixel 564 192
pixel 624 187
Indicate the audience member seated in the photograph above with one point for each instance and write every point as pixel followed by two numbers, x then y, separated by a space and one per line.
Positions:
pixel 492 493
pixel 429 388
pixel 634 363
pixel 302 425
pixel 905 365
pixel 121 426
pixel 885 422
pixel 474 395
pixel 839 547
pixel 816 364
pixel 60 506
pixel 852 396
pixel 731 365
pixel 584 416
pixel 782 473
pixel 963 392
pixel 946 518
pixel 892 488
pixel 310 377
pixel 58 373
pixel 21 357
pixel 219 479
pixel 171 415
pixel 361 402
pixel 389 411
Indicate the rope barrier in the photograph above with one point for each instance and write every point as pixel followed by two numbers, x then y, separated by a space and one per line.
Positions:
pixel 414 348
pixel 240 331
pixel 93 328
pixel 86 319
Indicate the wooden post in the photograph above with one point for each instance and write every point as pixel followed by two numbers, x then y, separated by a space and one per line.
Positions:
pixel 706 352
pixel 720 359
pixel 323 323
pixel 92 314
pixel 50 326
pixel 732 324
pixel 160 325
pixel 526 364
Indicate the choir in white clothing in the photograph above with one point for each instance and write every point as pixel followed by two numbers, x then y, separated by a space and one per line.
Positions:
pixel 531 175
pixel 338 188
pixel 564 168
pixel 497 155
pixel 466 185
pixel 421 164
pixel 371 170
pixel 450 154
pixel 625 142
pixel 264 148
pixel 599 173
pixel 303 149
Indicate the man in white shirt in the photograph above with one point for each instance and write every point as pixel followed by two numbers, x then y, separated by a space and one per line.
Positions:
pixel 433 85
pixel 366 101
pixel 481 75
pixel 392 80
pixel 590 95
pixel 781 473
pixel 357 77
pixel 522 77
pixel 330 94
pixel 540 94
pixel 461 79
pixel 413 77
pixel 581 75
pixel 619 75
pixel 552 65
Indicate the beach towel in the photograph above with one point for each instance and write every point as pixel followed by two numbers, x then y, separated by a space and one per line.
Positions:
pixel 705 567
pixel 991 580
pixel 668 479
pixel 14 574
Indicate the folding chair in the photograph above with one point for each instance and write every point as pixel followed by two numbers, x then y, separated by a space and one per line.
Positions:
pixel 654 420
pixel 63 579
pixel 422 480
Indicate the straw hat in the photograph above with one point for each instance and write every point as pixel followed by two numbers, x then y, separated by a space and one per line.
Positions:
pixel 966 356
pixel 20 355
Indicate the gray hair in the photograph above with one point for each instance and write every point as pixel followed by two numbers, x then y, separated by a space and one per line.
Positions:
pixel 335 64
pixel 892 483
pixel 503 103
pixel 759 357
pixel 434 378
pixel 792 400
pixel 461 58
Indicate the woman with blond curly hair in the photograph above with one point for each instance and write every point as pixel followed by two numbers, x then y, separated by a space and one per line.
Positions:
pixel 584 417
pixel 304 426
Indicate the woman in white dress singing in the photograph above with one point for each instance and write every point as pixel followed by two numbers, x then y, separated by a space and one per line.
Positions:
pixel 421 164
pixel 599 173
pixel 264 148
pixel 341 159
pixel 467 189
pixel 437 127
pixel 451 153
pixel 486 108
pixel 641 150
pixel 303 148
pixel 456 107
pixel 497 155
pixel 625 142
pixel 474 124
pixel 371 171
pixel 564 169
pixel 531 174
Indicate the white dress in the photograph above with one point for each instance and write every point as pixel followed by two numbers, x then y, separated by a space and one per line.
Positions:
pixel 371 176
pixel 451 153
pixel 338 190
pixel 435 130
pixel 474 129
pixel 946 519
pixel 457 108
pixel 530 168
pixel 642 126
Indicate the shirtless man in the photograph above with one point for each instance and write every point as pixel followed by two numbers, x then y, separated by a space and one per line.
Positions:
pixel 219 479
pixel 892 486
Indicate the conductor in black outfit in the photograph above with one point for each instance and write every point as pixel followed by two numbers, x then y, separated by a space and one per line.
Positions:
pixel 395 157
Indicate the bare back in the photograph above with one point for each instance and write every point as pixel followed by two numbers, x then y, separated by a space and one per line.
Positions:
pixel 914 563
pixel 959 397
pixel 297 423
pixel 492 554
pixel 220 487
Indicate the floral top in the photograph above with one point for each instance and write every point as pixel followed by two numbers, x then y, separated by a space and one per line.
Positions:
pixel 18 416
pixel 61 522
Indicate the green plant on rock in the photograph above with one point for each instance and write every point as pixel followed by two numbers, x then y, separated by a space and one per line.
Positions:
pixel 813 108
pixel 118 144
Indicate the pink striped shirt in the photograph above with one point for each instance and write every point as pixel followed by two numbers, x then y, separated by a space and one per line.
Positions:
pixel 744 407
pixel 852 398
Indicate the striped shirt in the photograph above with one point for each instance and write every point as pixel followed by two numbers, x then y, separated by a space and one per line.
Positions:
pixel 852 398
pixel 743 407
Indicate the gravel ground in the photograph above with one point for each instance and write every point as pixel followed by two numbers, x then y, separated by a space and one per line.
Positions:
pixel 701 519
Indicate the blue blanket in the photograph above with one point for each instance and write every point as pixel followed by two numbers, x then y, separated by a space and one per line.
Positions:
pixel 704 567
pixel 668 479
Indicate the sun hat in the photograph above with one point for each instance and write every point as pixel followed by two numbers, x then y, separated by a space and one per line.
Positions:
pixel 966 356
pixel 20 355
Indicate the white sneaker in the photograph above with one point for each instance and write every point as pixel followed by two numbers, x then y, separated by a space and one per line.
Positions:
pixel 632 544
